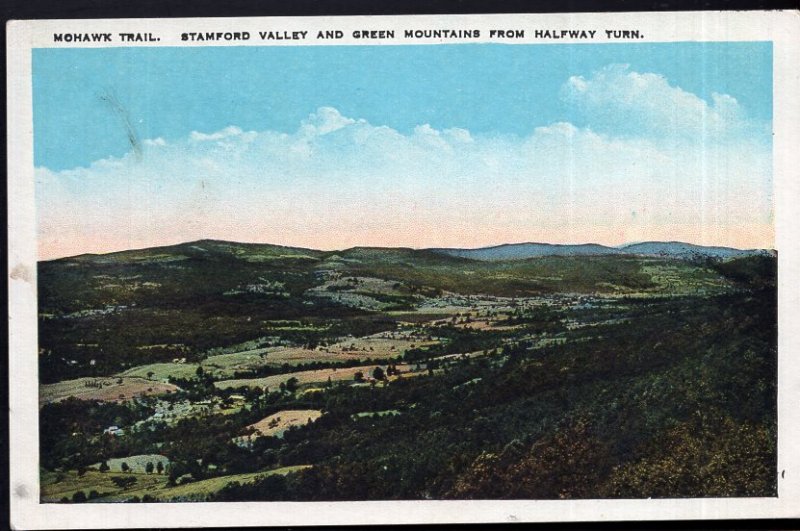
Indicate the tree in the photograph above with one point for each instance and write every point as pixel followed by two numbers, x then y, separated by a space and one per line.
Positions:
pixel 124 467
pixel 358 376
pixel 104 466
pixel 378 374
pixel 79 497
pixel 291 384
pixel 199 372
pixel 123 482
pixel 160 467
pixel 173 475
pixel 149 467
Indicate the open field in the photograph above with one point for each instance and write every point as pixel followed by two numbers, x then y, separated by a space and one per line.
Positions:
pixel 162 371
pixel 222 365
pixel 383 345
pixel 681 278
pixel 111 389
pixel 226 365
pixel 319 376
pixel 57 485
pixel 200 490
pixel 303 377
pixel 277 423
pixel 136 463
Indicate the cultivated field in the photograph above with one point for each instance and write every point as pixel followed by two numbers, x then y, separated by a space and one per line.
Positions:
pixel 58 485
pixel 200 490
pixel 277 423
pixel 222 365
pixel 383 345
pixel 309 377
pixel 303 377
pixel 110 389
pixel 162 371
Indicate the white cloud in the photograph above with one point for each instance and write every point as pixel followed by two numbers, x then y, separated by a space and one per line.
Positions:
pixel 230 131
pixel 618 100
pixel 324 121
pixel 340 181
pixel 155 142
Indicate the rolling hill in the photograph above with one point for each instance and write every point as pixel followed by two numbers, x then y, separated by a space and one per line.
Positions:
pixel 102 314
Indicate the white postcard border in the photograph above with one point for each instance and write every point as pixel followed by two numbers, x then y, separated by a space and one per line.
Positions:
pixel 782 28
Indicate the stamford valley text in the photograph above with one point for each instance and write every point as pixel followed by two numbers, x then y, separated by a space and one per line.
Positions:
pixel 363 34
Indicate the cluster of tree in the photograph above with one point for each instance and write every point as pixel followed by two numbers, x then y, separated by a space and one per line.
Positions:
pixel 453 340
pixel 71 430
pixel 544 318
pixel 201 387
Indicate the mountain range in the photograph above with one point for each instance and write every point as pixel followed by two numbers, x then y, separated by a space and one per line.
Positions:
pixel 679 250
pixel 495 253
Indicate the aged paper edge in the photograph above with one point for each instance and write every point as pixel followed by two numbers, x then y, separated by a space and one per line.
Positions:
pixel 781 28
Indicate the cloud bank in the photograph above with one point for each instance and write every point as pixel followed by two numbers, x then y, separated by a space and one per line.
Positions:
pixel 623 102
pixel 649 161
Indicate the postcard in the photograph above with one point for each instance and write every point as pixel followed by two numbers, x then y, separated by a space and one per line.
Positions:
pixel 403 269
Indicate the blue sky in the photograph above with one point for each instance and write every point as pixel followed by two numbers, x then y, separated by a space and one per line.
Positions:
pixel 422 146
pixel 495 88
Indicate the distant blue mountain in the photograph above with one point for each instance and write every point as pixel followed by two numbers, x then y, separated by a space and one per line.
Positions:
pixel 688 251
pixel 522 251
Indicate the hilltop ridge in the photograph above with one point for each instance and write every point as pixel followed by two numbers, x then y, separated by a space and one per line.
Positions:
pixel 501 252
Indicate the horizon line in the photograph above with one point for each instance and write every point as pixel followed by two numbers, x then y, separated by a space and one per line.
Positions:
pixel 434 248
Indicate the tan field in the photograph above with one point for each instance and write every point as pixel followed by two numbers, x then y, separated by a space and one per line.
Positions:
pixel 303 377
pixel 311 377
pixel 383 345
pixel 162 371
pixel 111 389
pixel 277 423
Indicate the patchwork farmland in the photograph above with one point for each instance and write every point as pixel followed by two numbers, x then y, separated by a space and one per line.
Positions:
pixel 231 372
